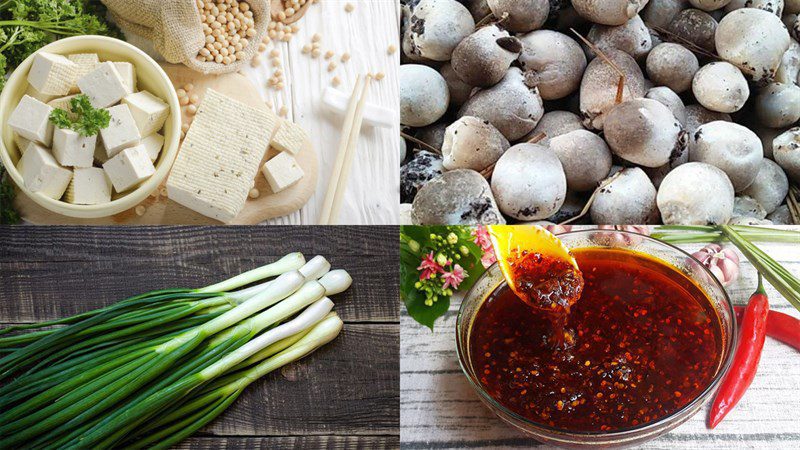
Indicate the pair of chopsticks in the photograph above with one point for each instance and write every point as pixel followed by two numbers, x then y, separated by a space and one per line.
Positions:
pixel 351 130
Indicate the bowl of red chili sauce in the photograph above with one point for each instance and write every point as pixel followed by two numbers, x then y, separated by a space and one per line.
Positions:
pixel 642 350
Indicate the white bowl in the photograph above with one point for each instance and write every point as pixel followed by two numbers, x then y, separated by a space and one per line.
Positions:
pixel 149 76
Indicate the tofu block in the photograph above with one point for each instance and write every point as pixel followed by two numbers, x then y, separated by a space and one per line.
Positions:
pixel 104 85
pixel 290 138
pixel 44 98
pixel 72 149
pixel 42 173
pixel 149 111
pixel 100 154
pixel 22 143
pixel 52 74
pixel 282 171
pixel 129 168
pixel 89 186
pixel 121 131
pixel 86 62
pixel 153 144
pixel 61 102
pixel 128 73
pixel 31 120
pixel 220 157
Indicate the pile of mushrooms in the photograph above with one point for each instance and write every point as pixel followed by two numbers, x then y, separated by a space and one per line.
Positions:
pixel 612 112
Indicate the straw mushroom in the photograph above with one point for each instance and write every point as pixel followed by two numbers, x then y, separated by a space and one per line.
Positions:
pixel 773 6
pixel 659 13
pixel 789 70
pixel 457 197
pixel 781 216
pixel 709 201
pixel 694 26
pixel 521 16
pixel 709 5
pixel 671 100
pixel 770 186
pixel 599 86
pixel 696 115
pixel 644 132
pixel 459 91
pixel 434 29
pixel 673 66
pixel 424 95
pixel 730 147
pixel 423 167
pixel 511 106
pixel 632 37
pixel 575 149
pixel 753 39
pixel 553 62
pixel 483 58
pixel 625 199
pixel 472 143
pixel 721 87
pixel 529 182
pixel 778 105
pixel 608 12
pixel 787 153
pixel 553 124
pixel 746 206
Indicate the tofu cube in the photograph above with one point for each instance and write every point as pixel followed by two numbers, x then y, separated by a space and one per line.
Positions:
pixel 100 154
pixel 52 74
pixel 62 103
pixel 44 98
pixel 282 171
pixel 128 73
pixel 31 120
pixel 149 111
pixel 72 149
pixel 86 63
pixel 129 168
pixel 41 172
pixel 89 186
pixel 289 138
pixel 121 132
pixel 22 143
pixel 153 144
pixel 104 85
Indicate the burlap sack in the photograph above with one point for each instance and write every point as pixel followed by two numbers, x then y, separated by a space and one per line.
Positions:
pixel 175 30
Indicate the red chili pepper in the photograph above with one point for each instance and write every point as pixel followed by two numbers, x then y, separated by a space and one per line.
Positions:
pixel 780 326
pixel 745 360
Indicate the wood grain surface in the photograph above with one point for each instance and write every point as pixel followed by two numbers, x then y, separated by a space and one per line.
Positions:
pixel 439 409
pixel 343 395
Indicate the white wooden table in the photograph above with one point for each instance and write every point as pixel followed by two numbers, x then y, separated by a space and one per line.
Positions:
pixel 438 408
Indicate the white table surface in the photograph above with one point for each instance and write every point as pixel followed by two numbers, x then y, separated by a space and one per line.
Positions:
pixel 438 408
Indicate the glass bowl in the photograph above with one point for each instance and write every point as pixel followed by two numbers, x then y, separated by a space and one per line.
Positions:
pixel 669 254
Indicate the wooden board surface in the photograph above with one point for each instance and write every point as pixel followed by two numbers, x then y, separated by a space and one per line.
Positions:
pixel 159 210
pixel 439 409
pixel 344 394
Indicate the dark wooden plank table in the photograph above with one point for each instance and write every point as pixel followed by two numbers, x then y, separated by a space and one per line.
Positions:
pixel 344 395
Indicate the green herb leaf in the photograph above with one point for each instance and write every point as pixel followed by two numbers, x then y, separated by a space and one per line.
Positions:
pixel 82 117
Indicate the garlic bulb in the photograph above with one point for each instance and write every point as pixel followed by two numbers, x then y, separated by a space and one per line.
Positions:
pixel 723 262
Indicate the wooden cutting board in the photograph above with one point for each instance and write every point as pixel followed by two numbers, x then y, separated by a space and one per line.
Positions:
pixel 159 210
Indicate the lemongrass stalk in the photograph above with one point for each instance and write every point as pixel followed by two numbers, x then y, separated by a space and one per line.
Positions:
pixel 694 234
pixel 290 262
pixel 127 418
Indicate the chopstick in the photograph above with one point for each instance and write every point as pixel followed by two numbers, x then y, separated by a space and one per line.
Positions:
pixel 351 131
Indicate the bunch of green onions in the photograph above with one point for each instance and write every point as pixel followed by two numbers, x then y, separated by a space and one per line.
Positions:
pixel 152 369
pixel 743 237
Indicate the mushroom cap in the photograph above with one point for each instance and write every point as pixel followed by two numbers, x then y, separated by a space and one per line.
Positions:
pixel 786 149
pixel 753 39
pixel 459 91
pixel 709 201
pixel 628 198
pixel 671 100
pixel 483 58
pixel 672 65
pixel 553 62
pixel 644 132
pixel 731 147
pixel 695 26
pixel 697 115
pixel 529 182
pixel 555 123
pixel 457 197
pixel 659 13
pixel 423 167
pixel 709 5
pixel 778 105
pixel 585 158
pixel 721 87
pixel 424 95
pixel 608 12
pixel 632 37
pixel 435 28
pixel 598 93
pixel 770 186
pixel 523 15
pixel 472 143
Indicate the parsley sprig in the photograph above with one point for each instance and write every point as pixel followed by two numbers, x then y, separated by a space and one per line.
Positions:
pixel 81 117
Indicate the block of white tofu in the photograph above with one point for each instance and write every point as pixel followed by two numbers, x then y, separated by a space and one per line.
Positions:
pixel 89 186
pixel 129 168
pixel 31 120
pixel 220 157
pixel 86 62
pixel 153 144
pixel 104 85
pixel 282 171
pixel 121 131
pixel 72 149
pixel 41 172
pixel 52 74
pixel 44 98
pixel 128 73
pixel 289 138
pixel 100 154
pixel 149 111
pixel 62 103
pixel 22 143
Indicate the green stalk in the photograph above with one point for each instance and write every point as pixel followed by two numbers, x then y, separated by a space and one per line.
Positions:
pixel 677 234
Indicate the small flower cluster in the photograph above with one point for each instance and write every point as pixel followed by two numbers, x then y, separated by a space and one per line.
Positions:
pixel 440 273
pixel 482 240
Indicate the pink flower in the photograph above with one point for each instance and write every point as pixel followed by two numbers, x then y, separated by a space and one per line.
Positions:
pixel 482 239
pixel 488 258
pixel 454 278
pixel 429 267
